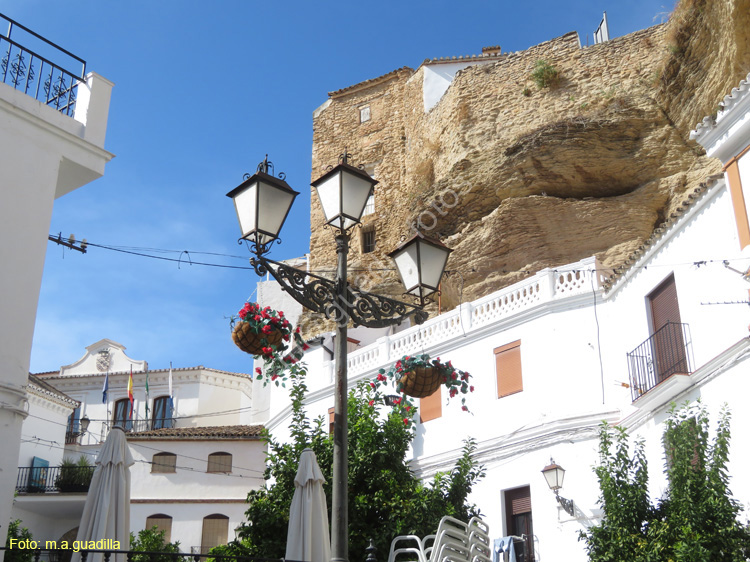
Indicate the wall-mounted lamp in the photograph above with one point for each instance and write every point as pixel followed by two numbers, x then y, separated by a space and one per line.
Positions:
pixel 83 426
pixel 554 475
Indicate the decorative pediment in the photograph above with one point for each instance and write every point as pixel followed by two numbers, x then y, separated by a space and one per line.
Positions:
pixel 101 357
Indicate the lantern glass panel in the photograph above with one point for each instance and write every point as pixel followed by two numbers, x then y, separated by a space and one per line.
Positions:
pixel 406 263
pixel 356 190
pixel 245 205
pixel 433 260
pixel 273 205
pixel 329 194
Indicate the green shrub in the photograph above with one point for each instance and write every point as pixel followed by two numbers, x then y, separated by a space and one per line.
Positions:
pixel 545 75
pixel 15 531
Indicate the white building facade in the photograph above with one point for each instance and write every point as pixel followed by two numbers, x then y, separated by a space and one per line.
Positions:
pixel 51 142
pixel 197 451
pixel 554 356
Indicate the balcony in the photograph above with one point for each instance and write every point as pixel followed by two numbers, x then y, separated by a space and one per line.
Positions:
pixel 53 479
pixel 667 352
pixel 35 74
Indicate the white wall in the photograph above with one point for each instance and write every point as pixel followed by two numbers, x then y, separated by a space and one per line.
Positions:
pixel 43 155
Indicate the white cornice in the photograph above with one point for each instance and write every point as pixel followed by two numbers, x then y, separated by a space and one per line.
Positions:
pixel 726 135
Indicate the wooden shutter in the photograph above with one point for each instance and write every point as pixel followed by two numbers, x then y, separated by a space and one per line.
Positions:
pixel 219 462
pixel 518 500
pixel 431 407
pixel 215 531
pixel 162 522
pixel 331 418
pixel 664 307
pixel 738 202
pixel 508 369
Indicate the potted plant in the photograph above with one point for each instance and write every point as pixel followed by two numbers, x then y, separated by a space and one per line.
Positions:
pixel 75 476
pixel 261 331
pixel 420 376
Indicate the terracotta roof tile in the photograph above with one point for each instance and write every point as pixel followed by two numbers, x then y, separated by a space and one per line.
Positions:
pixel 371 81
pixel 198 433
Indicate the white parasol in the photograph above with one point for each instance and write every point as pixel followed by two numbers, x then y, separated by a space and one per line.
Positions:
pixel 106 513
pixel 308 537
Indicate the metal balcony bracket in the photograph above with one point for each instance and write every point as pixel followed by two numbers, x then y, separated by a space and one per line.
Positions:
pixel 320 294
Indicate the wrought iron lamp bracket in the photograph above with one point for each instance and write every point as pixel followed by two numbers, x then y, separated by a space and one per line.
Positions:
pixel 566 504
pixel 258 248
pixel 321 295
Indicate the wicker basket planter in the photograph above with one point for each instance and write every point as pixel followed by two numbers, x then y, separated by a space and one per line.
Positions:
pixel 420 382
pixel 420 376
pixel 252 343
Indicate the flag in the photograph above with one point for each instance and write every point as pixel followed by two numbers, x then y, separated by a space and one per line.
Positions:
pixel 171 403
pixel 146 394
pixel 130 391
pixel 105 389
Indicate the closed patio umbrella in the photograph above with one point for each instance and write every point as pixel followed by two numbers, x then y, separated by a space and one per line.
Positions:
pixel 106 513
pixel 308 537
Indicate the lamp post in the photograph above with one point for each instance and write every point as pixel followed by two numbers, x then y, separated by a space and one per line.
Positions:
pixel 343 192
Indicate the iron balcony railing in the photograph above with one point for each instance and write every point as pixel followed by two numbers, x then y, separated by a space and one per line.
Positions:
pixel 35 74
pixel 136 426
pixel 46 479
pixel 667 352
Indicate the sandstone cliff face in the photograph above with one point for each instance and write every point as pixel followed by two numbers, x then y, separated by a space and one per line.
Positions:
pixel 516 178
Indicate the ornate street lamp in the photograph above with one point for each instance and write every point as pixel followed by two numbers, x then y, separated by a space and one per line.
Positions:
pixel 421 263
pixel 343 192
pixel 554 474
pixel 262 203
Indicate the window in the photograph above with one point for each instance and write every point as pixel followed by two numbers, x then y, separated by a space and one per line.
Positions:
pixel 219 462
pixel 122 415
pixel 740 193
pixel 215 531
pixel 162 523
pixel 162 413
pixel 430 407
pixel 364 114
pixel 508 369
pixel 668 342
pixel 369 206
pixel 368 238
pixel 73 427
pixel 518 522
pixel 163 463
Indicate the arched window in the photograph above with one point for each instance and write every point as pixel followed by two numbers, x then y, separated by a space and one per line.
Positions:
pixel 122 415
pixel 164 462
pixel 215 531
pixel 162 413
pixel 162 522
pixel 219 462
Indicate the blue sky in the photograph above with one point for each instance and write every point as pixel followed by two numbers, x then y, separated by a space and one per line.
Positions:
pixel 202 92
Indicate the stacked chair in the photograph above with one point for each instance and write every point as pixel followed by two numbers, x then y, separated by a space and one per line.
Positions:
pixel 454 541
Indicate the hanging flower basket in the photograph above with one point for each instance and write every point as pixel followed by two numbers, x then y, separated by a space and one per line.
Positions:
pixel 420 376
pixel 261 331
pixel 420 382
pixel 248 341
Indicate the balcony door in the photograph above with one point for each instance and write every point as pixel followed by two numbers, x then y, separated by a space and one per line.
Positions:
pixel 162 413
pixel 122 415
pixel 668 341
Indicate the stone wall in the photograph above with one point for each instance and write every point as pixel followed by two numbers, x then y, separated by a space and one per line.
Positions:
pixel 516 177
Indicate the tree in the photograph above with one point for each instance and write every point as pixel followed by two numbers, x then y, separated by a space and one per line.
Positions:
pixel 15 531
pixel 385 497
pixel 696 520
pixel 152 540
